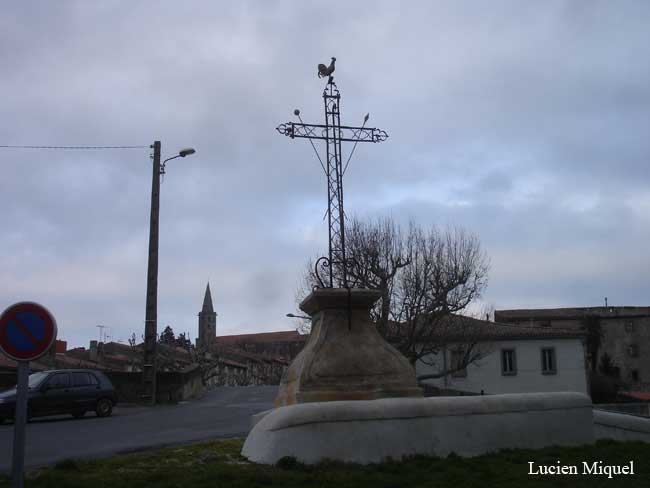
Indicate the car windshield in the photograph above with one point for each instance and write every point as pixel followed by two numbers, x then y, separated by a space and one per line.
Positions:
pixel 36 379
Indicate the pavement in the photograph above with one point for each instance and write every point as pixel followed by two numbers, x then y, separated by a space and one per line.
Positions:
pixel 221 413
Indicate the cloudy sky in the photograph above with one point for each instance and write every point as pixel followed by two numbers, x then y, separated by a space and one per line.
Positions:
pixel 527 123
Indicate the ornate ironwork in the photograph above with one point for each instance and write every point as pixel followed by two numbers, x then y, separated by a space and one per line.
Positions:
pixel 319 131
pixel 322 263
pixel 333 133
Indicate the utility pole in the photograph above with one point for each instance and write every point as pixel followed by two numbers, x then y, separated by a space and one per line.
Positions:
pixel 151 314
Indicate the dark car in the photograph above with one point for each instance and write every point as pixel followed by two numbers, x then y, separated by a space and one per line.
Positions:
pixel 63 391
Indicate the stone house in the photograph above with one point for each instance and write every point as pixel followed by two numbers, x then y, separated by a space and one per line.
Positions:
pixel 626 334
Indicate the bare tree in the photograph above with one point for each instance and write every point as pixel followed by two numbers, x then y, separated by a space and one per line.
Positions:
pixel 209 361
pixel 427 280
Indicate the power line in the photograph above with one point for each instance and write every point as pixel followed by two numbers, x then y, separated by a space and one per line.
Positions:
pixel 73 147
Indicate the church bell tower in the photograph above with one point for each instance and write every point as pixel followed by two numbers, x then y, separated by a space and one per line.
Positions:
pixel 207 321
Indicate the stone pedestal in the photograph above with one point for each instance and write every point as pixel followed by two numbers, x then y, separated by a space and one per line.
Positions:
pixel 345 358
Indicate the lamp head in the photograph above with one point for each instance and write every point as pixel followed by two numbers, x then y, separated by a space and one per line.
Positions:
pixel 296 112
pixel 186 152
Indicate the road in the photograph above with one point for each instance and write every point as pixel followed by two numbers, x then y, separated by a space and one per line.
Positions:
pixel 223 412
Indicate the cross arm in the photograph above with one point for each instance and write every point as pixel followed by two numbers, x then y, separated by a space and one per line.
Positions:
pixel 347 133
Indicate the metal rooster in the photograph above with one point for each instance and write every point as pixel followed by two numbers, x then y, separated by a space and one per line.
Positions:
pixel 324 71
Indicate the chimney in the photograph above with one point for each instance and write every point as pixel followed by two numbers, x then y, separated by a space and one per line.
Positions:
pixel 93 351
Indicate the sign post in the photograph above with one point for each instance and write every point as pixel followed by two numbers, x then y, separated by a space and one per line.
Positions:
pixel 27 331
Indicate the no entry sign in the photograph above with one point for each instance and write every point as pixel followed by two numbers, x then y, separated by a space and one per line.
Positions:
pixel 27 331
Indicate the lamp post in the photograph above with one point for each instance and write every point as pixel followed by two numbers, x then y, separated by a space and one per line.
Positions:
pixel 151 314
pixel 292 316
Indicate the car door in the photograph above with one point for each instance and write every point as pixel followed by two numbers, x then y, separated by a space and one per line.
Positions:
pixel 84 390
pixel 56 395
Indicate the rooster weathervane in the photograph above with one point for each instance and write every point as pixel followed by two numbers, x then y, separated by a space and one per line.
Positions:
pixel 324 71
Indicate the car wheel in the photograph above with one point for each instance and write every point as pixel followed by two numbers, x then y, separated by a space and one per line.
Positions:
pixel 104 407
pixel 79 414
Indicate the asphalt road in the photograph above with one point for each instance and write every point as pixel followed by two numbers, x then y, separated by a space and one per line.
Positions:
pixel 223 412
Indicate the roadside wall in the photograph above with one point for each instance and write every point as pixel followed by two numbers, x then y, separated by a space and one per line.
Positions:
pixel 172 387
pixel 621 426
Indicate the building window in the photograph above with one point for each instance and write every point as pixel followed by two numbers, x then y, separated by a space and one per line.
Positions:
pixel 548 361
pixel 634 375
pixel 629 326
pixel 457 358
pixel 508 362
pixel 633 351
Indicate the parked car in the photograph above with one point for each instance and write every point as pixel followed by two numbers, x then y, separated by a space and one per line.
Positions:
pixel 63 391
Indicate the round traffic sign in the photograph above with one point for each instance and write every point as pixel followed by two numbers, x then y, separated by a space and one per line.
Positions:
pixel 27 331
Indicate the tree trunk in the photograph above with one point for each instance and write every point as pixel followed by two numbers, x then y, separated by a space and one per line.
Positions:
pixel 385 309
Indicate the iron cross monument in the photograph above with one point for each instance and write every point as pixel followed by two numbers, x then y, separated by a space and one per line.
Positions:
pixel 333 133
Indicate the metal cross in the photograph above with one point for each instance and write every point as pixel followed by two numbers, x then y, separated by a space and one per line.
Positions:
pixel 333 133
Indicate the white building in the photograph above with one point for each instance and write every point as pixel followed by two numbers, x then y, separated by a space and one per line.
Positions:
pixel 516 359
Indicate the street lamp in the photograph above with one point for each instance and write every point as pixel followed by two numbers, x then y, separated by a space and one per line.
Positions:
pixel 151 314
pixel 181 154
pixel 298 316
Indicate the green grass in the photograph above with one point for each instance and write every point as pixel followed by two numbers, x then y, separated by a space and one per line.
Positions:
pixel 218 464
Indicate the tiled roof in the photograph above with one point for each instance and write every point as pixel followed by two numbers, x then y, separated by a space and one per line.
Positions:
pixel 501 331
pixel 230 362
pixel 65 361
pixel 644 396
pixel 114 347
pixel 461 327
pixel 225 351
pixel 8 363
pixel 574 313
pixel 238 354
pixel 283 336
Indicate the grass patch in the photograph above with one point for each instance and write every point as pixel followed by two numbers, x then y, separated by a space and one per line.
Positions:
pixel 67 465
pixel 216 464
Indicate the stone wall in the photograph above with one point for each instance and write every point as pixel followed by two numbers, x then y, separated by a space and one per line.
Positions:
pixel 172 387
pixel 234 368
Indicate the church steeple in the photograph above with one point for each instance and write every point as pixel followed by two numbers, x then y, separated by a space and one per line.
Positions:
pixel 207 321
pixel 207 301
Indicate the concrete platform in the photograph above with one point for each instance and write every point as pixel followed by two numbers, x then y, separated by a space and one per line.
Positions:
pixel 371 431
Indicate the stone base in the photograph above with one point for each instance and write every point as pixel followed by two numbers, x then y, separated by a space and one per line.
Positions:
pixel 345 358
pixel 372 431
